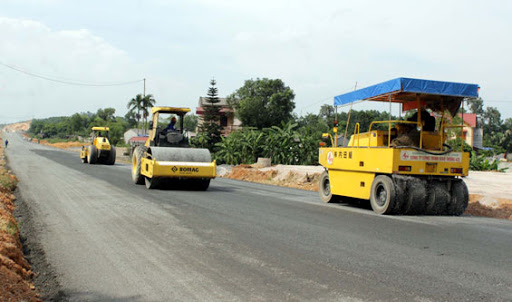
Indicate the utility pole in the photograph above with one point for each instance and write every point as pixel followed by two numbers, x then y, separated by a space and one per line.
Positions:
pixel 144 96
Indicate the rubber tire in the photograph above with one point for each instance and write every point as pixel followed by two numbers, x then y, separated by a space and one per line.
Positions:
pixel 136 159
pixel 416 197
pixel 383 186
pixel 151 183
pixel 438 198
pixel 203 184
pixel 460 198
pixel 111 156
pixel 92 156
pixel 324 189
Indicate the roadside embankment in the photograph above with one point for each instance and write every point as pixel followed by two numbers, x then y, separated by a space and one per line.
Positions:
pixel 15 274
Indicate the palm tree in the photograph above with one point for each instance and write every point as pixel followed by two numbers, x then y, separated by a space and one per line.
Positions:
pixel 147 102
pixel 135 105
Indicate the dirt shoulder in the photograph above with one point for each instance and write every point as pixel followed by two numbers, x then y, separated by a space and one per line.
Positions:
pixel 487 189
pixel 15 274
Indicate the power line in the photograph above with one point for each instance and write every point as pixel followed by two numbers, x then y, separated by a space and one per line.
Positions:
pixel 497 101
pixel 325 99
pixel 69 82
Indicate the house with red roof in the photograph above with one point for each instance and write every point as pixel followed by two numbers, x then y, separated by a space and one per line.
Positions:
pixel 228 121
pixel 472 131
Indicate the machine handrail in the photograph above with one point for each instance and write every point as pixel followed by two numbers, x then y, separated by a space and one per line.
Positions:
pixel 389 128
pixel 357 128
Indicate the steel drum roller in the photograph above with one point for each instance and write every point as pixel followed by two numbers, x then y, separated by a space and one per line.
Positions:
pixel 180 154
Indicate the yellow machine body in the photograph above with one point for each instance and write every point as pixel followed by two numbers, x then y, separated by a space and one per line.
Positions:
pixel 352 169
pixel 102 148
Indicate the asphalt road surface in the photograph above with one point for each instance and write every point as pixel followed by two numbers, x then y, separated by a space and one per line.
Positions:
pixel 111 240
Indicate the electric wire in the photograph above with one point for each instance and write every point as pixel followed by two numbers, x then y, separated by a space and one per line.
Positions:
pixel 325 99
pixel 69 82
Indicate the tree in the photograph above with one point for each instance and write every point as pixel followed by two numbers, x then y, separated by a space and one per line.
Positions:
pixel 507 142
pixel 147 102
pixel 190 122
pixel 492 120
pixel 77 123
pixel 106 114
pixel 131 119
pixel 326 111
pixel 117 127
pixel 210 126
pixel 476 105
pixel 135 106
pixel 263 103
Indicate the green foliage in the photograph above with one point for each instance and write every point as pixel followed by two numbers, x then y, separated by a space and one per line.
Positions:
pixel 364 118
pixel 200 140
pixel 190 122
pixel 242 146
pixel 58 129
pixel 285 144
pixel 135 106
pixel 210 126
pixel 106 114
pixel 131 118
pixel 481 163
pixel 229 149
pixel 147 102
pixel 7 182
pixel 456 143
pixel 476 105
pixel 263 103
pixel 139 108
pixel 492 126
pixel 117 128
pixel 282 144
pixel 295 142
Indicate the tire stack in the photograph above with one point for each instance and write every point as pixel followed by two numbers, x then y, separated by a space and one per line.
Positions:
pixel 410 195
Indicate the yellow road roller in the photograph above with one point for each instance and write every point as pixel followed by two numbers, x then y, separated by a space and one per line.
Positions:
pixel 404 167
pixel 100 150
pixel 167 155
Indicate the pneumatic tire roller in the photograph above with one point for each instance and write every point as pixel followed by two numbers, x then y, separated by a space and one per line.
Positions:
pixel 407 168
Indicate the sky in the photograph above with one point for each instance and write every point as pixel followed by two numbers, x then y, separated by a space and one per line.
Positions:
pixel 319 48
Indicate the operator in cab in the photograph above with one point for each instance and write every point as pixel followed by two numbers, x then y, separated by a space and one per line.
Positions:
pixel 429 122
pixel 171 125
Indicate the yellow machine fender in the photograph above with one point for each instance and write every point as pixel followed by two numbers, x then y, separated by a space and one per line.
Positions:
pixel 83 154
pixel 351 183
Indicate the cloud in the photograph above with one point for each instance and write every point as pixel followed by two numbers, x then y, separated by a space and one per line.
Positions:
pixel 318 48
pixel 71 55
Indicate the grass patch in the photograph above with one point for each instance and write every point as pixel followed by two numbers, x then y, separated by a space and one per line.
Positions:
pixel 8 182
pixel 8 227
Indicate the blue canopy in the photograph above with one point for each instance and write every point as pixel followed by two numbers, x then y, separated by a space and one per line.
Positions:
pixel 405 87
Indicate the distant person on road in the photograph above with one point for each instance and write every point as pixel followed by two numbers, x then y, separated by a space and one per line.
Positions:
pixel 171 125
pixel 6 143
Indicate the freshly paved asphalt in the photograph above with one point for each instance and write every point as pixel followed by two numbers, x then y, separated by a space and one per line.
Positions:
pixel 111 240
